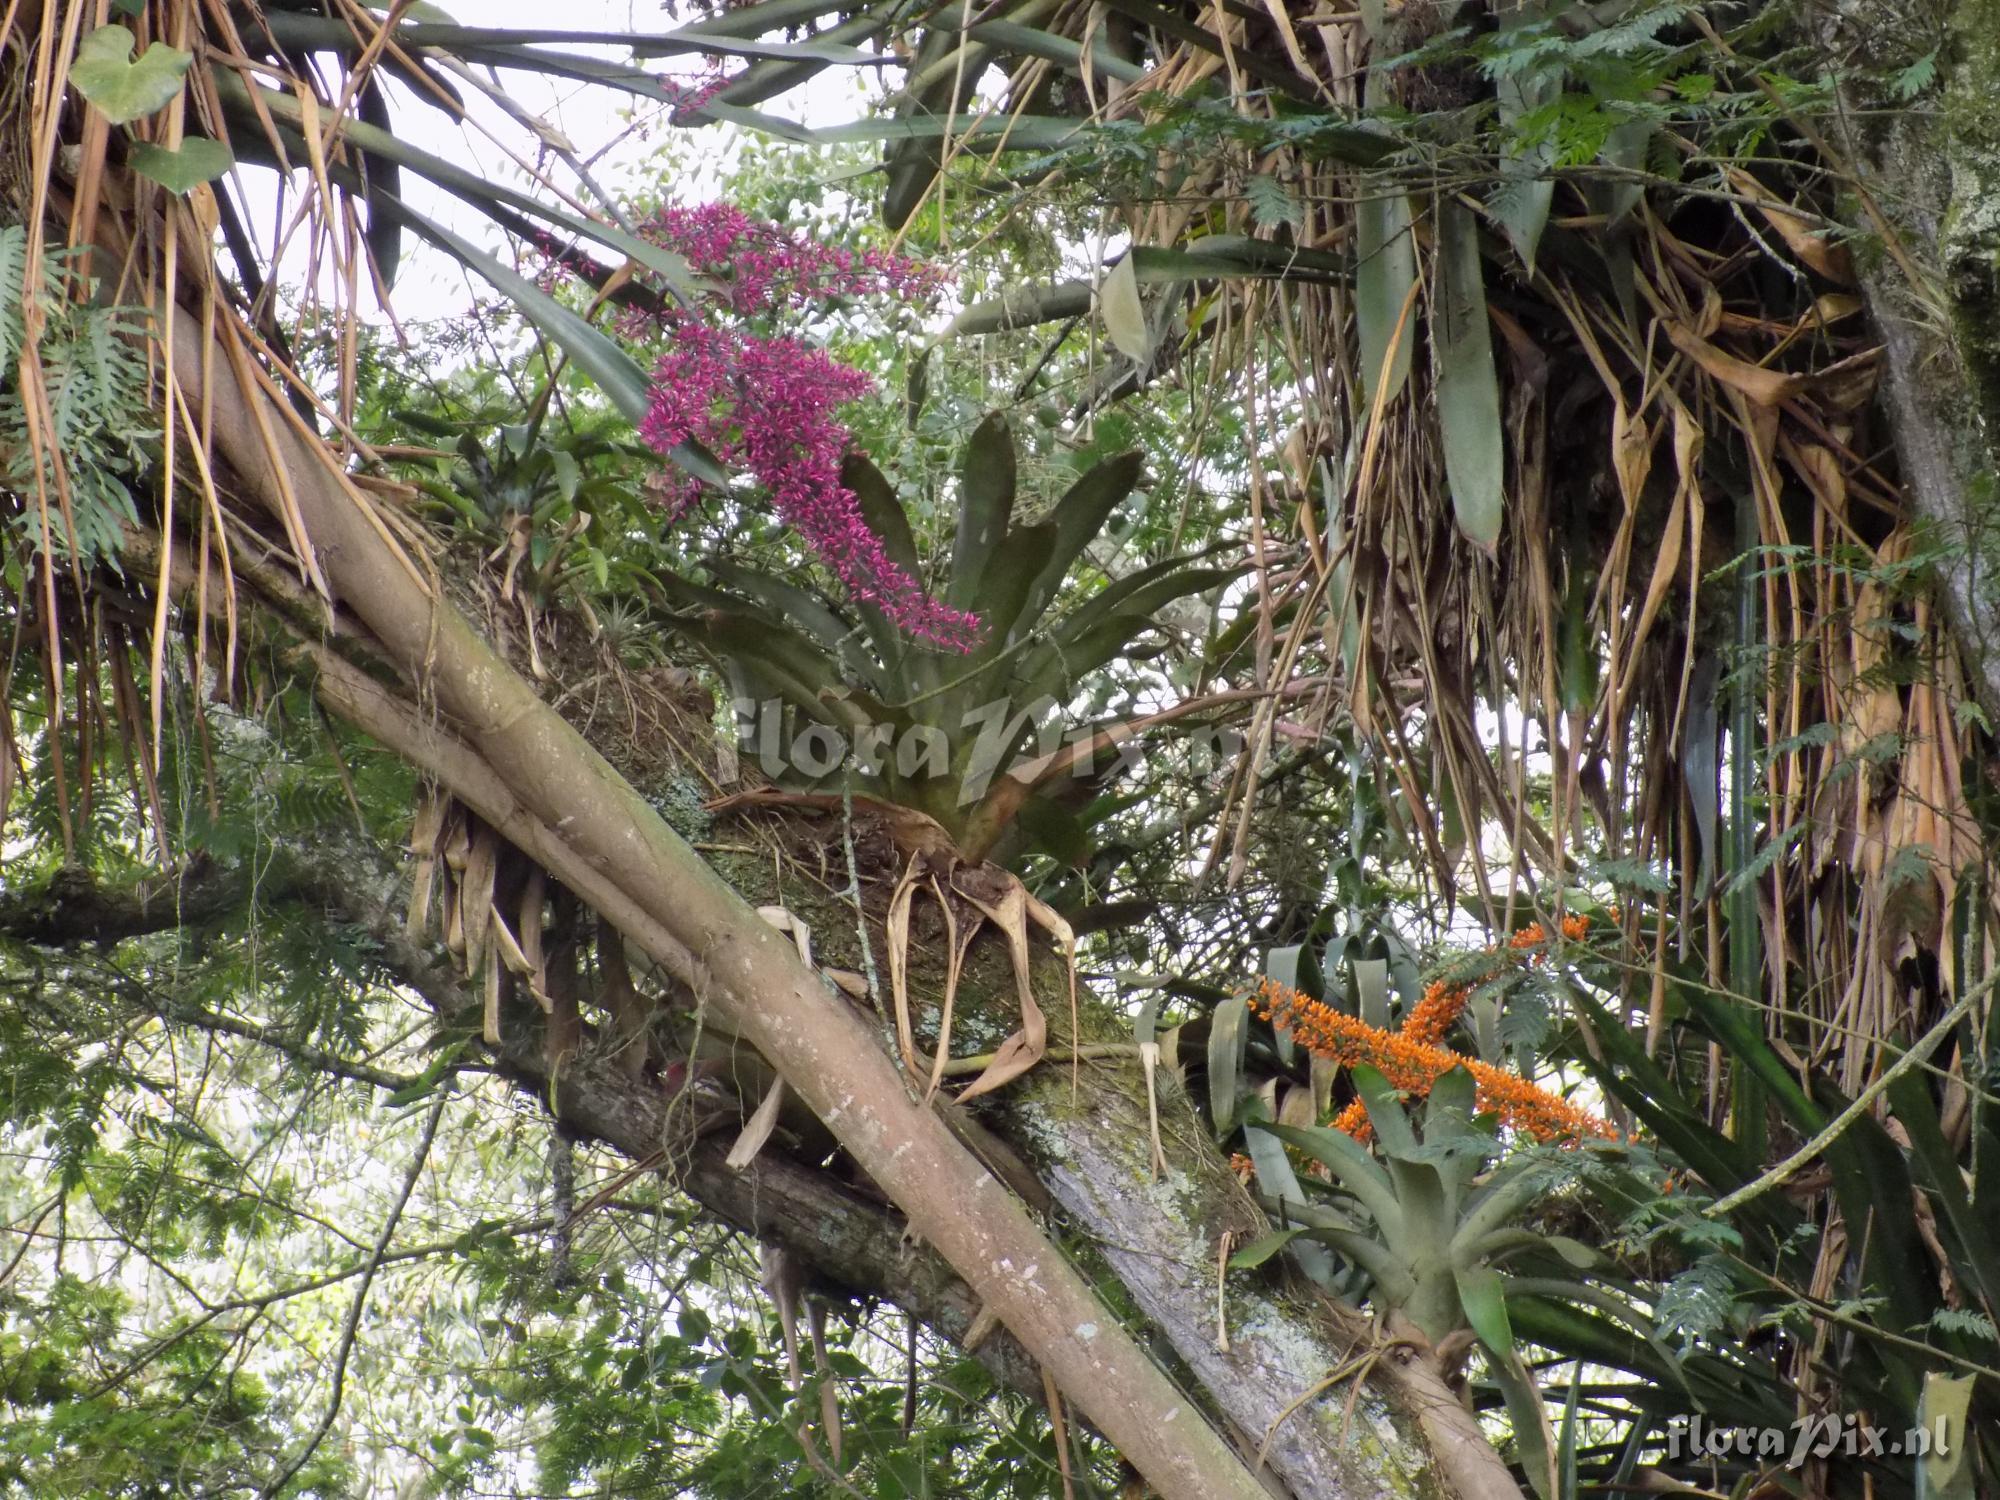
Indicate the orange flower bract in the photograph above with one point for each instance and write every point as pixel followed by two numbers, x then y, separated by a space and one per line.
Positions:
pixel 1412 1059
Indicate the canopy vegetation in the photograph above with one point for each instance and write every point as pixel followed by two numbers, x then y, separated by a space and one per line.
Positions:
pixel 1047 748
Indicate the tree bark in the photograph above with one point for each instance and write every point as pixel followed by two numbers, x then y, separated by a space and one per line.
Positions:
pixel 1927 177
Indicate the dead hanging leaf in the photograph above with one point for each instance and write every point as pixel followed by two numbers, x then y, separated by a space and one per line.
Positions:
pixel 492 1013
pixel 1026 1047
pixel 1820 471
pixel 1813 247
pixel 1631 452
pixel 475 898
pixel 1149 1061
pixel 426 827
pixel 896 938
pixel 1849 384
pixel 955 951
pixel 534 892
pixel 1765 387
pixel 520 537
pixel 757 1129
pixel 455 849
pixel 1667 560
pixel 515 957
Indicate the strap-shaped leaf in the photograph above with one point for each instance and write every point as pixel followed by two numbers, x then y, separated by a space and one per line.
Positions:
pixel 1385 1110
pixel 525 49
pixel 1227 1030
pixel 1010 583
pixel 1468 389
pixel 1279 1182
pixel 1142 592
pixel 1534 1442
pixel 1358 1171
pixel 986 505
pixel 1004 132
pixel 1483 1295
pixel 785 601
pixel 1059 666
pixel 1910 1098
pixel 1016 40
pixel 882 509
pixel 1385 269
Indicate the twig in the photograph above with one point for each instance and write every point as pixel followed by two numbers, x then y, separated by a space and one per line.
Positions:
pixel 353 1325
pixel 853 894
pixel 1789 1168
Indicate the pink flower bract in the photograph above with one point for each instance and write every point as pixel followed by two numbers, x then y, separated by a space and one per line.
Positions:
pixel 770 402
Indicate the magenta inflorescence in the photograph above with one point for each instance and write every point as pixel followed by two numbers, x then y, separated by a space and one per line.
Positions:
pixel 770 402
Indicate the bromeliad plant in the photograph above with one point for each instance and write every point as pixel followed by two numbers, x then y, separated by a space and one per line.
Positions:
pixel 1429 1233
pixel 918 724
pixel 1430 1229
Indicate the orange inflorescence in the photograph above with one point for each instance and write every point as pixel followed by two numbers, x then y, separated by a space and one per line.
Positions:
pixel 1411 1058
pixel 1442 1005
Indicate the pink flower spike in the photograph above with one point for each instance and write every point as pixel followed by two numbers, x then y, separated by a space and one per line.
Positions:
pixel 769 404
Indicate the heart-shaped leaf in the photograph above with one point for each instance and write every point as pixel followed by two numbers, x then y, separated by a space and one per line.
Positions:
pixel 197 161
pixel 123 88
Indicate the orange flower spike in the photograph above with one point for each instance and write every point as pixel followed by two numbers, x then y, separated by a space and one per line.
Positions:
pixel 1442 1005
pixel 1353 1120
pixel 1412 1067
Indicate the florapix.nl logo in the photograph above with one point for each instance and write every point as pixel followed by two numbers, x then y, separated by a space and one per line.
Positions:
pixel 1828 1435
pixel 991 739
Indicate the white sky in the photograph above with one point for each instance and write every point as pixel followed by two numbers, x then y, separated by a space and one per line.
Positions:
pixel 592 118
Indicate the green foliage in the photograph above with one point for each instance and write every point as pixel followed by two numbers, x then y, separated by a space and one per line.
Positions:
pixel 93 417
pixel 927 729
pixel 123 87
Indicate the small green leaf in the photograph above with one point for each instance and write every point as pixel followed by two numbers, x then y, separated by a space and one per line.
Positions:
pixel 197 161
pixel 122 88
pixel 1271 205
pixel 1258 1251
